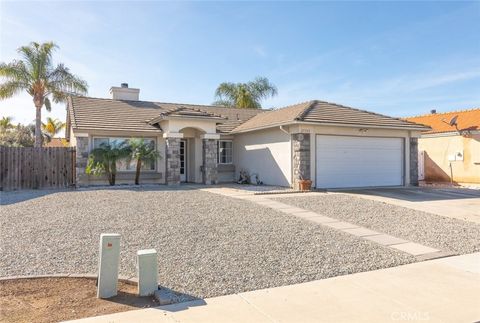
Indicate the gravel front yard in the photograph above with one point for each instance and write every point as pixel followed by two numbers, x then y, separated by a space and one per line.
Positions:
pixel 429 229
pixel 208 244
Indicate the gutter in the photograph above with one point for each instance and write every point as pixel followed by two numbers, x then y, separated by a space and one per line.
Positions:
pixel 449 134
pixel 117 130
pixel 347 125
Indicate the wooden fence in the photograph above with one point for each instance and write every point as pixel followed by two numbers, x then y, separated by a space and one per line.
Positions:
pixel 27 168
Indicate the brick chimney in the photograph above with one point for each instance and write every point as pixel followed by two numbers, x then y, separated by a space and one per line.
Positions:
pixel 124 93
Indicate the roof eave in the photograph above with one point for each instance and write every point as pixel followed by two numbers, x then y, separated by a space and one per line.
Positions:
pixel 449 133
pixel 351 125
pixel 115 129
pixel 193 117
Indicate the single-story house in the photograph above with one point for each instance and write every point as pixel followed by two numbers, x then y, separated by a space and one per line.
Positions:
pixel 450 151
pixel 55 142
pixel 333 145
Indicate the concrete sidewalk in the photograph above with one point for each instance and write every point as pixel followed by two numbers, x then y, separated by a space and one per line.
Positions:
pixel 441 290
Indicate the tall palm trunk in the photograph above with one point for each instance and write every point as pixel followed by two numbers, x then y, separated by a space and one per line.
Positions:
pixel 137 174
pixel 38 125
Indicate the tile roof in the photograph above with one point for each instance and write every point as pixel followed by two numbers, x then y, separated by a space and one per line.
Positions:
pixel 184 112
pixel 439 122
pixel 274 117
pixel 107 114
pixel 56 142
pixel 325 113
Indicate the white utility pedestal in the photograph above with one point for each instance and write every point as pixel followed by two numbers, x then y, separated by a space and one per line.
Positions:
pixel 108 265
pixel 147 269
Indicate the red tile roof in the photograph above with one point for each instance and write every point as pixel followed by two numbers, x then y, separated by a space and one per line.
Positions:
pixel 439 122
pixel 55 142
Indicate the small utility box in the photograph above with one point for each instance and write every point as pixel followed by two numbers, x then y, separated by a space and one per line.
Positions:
pixel 147 269
pixel 108 265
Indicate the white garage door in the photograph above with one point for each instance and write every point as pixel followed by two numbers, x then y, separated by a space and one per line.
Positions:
pixel 344 161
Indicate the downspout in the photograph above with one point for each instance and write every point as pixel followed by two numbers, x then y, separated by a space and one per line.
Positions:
pixel 281 128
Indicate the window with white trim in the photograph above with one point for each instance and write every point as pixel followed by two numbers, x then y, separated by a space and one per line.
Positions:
pixel 225 152
pixel 125 164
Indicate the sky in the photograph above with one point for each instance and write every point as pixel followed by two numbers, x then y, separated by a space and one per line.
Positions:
pixel 396 58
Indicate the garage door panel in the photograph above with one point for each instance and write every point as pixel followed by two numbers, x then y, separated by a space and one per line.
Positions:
pixel 358 161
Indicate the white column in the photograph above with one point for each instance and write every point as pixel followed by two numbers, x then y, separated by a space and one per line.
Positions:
pixel 108 265
pixel 147 269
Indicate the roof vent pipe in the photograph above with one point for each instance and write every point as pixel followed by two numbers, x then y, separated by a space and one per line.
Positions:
pixel 433 111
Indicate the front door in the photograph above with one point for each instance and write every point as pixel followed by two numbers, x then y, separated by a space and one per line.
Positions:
pixel 183 160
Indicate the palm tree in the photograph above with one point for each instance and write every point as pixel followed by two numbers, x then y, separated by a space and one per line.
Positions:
pixel 103 160
pixel 245 95
pixel 6 123
pixel 52 127
pixel 142 152
pixel 37 75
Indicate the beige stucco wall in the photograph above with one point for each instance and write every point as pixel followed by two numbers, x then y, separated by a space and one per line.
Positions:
pixel 436 158
pixel 266 152
pixel 157 176
pixel 176 125
pixel 315 130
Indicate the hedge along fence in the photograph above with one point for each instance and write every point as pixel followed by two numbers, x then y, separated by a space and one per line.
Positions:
pixel 31 168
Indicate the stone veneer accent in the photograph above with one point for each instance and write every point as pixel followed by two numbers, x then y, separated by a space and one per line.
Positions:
pixel 301 157
pixel 172 161
pixel 81 160
pixel 414 161
pixel 210 170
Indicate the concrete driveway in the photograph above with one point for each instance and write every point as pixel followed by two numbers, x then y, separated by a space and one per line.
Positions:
pixel 463 204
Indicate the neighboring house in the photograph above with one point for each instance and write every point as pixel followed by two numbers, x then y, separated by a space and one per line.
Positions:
pixel 451 149
pixel 56 142
pixel 333 145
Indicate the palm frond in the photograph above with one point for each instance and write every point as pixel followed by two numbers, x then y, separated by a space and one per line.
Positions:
pixel 10 88
pixel 62 83
pixel 261 88
pixel 142 150
pixel 48 105
pixel 15 71
pixel 6 123
pixel 226 92
pixel 53 126
pixel 38 57
pixel 245 95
